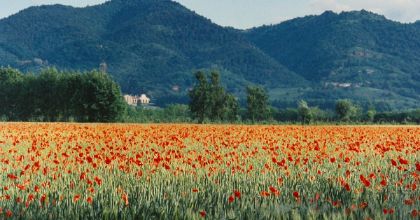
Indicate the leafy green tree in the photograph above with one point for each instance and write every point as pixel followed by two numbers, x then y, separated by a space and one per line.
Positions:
pixel 200 98
pixel 209 100
pixel 11 82
pixel 217 98
pixel 304 112
pixel 28 105
pixel 257 104
pixel 345 109
pixel 370 114
pixel 230 108
pixel 49 95
pixel 99 98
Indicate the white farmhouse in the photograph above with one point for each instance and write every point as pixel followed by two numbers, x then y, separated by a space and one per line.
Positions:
pixel 131 100
pixel 144 99
pixel 135 100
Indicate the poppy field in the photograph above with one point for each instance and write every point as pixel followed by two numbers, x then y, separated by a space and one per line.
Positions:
pixel 127 171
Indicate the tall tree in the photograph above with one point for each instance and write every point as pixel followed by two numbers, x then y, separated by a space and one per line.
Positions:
pixel 209 100
pixel 99 98
pixel 217 98
pixel 257 104
pixel 304 112
pixel 344 109
pixel 10 88
pixel 230 108
pixel 49 95
pixel 199 98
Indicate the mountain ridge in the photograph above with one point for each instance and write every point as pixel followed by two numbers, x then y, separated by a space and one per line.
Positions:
pixel 140 41
pixel 154 46
pixel 358 47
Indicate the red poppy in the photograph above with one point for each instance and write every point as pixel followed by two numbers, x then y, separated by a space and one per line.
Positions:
pixel 76 198
pixel 42 199
pixel 347 187
pixel 363 205
pixel 9 213
pixel 125 198
pixel 280 181
pixel 11 176
pixel 383 182
pixel 414 213
pixel 98 180
pixel 408 202
pixel 296 194
pixel 364 181
pixel 274 191
pixel 237 194
pixel 264 193
pixel 348 173
pixel 403 161
pixel 231 199
pixel 82 176
pixel 393 162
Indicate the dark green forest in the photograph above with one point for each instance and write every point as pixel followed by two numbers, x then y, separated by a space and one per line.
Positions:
pixel 153 46
pixel 60 96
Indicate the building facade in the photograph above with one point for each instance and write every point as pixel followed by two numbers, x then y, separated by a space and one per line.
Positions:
pixel 135 100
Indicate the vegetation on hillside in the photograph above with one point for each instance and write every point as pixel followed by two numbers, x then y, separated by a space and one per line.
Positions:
pixel 356 55
pixel 148 46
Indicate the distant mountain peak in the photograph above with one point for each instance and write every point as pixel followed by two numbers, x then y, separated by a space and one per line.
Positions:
pixel 358 15
pixel 363 14
pixel 130 2
pixel 328 13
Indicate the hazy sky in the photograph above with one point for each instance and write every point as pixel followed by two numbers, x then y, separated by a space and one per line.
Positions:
pixel 249 13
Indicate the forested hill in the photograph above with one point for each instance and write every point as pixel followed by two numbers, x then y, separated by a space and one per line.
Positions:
pixel 150 46
pixel 368 51
pixel 154 46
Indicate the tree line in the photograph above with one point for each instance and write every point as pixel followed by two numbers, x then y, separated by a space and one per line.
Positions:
pixel 211 103
pixel 93 96
pixel 59 96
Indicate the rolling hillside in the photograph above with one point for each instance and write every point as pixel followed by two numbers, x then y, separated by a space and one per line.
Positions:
pixel 359 54
pixel 154 46
pixel 148 46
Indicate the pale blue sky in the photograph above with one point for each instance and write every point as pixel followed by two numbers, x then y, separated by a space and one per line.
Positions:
pixel 249 13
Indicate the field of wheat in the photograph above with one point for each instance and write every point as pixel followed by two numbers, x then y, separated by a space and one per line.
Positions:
pixel 124 171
